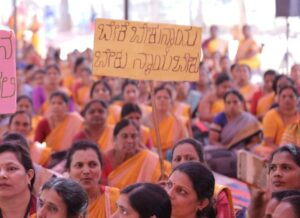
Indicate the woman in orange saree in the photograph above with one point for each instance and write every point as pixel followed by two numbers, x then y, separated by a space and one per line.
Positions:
pixel 84 165
pixel 59 128
pixel 128 161
pixel 171 126
pixel 276 120
pixel 95 127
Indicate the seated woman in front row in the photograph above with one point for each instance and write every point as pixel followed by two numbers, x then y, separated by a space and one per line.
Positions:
pixel 60 197
pixel 234 128
pixel 187 150
pixel 191 188
pixel 143 200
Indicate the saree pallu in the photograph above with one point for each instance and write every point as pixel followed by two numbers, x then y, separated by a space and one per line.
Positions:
pixel 82 96
pixel 142 167
pixel 247 91
pixel 182 109
pixel 61 137
pixel 114 114
pixel 217 45
pixel 224 202
pixel 239 190
pixel 171 129
pixel 39 154
pixel 105 205
pixel 264 103
pixel 291 134
pixel 245 46
pixel 146 137
pixel 105 141
pixel 34 122
pixel 236 132
pixel 274 127
pixel 217 107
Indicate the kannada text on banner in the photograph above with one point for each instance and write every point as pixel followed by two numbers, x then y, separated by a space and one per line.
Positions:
pixel 146 51
pixel 8 84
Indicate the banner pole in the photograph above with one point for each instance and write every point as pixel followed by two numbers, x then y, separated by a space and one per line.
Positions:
pixel 156 127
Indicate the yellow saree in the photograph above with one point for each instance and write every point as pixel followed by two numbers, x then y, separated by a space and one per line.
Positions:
pixel 217 106
pixel 82 95
pixel 245 47
pixel 61 137
pixel 105 142
pixel 264 104
pixel 292 134
pixel 171 128
pixel 105 205
pixel 142 167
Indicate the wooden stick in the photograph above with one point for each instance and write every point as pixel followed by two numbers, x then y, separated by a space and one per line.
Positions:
pixel 156 127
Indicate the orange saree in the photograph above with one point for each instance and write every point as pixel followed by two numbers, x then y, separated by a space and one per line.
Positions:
pixel 142 167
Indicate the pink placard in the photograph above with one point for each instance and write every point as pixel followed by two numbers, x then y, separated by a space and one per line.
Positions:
pixel 8 81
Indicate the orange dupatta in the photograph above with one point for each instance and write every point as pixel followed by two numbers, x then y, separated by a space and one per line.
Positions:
pixel 105 141
pixel 61 137
pixel 105 205
pixel 40 155
pixel 245 46
pixel 264 104
pixel 291 134
pixel 172 128
pixel 142 167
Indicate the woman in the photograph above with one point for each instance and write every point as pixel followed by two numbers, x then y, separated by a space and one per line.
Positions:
pixel 52 84
pixel 285 168
pixel 269 101
pixel 130 92
pixel 24 103
pixel 128 161
pixel 95 127
pixel 265 90
pixel 101 90
pixel 20 122
pixel 16 182
pixel 84 165
pixel 143 200
pixel 81 95
pixel 64 198
pixel 212 102
pixel 291 134
pixel 59 129
pixel 187 150
pixel 179 92
pixel 277 119
pixel 248 50
pixel 234 128
pixel 289 207
pixel 41 174
pixel 284 174
pixel 171 127
pixel 191 188
pixel 133 112
pixel 276 198
pixel 243 82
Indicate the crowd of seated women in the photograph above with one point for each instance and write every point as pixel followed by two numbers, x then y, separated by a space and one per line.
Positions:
pixel 86 146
